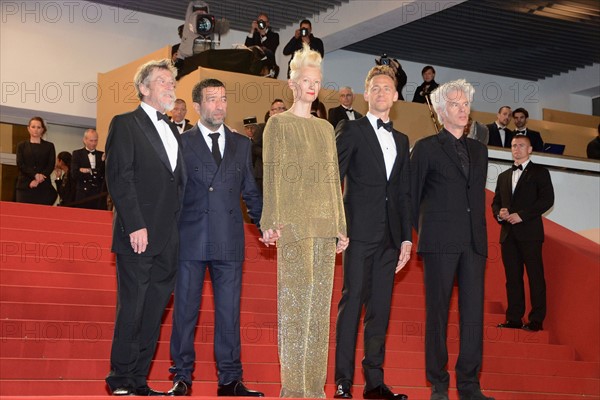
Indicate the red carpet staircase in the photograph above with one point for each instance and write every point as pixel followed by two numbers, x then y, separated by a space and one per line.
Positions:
pixel 57 293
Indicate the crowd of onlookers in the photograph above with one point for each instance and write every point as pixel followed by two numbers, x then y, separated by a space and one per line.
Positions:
pixel 79 176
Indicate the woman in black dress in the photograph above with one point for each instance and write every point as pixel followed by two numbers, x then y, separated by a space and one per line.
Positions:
pixel 35 160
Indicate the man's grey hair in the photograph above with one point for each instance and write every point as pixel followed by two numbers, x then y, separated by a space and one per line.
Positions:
pixel 142 76
pixel 444 92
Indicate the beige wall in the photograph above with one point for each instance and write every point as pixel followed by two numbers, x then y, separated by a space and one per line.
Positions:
pixel 590 121
pixel 250 95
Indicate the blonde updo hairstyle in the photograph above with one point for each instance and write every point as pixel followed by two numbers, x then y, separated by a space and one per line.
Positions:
pixel 304 58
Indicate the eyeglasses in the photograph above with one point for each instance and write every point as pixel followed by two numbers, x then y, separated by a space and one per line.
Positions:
pixel 278 109
pixel 163 83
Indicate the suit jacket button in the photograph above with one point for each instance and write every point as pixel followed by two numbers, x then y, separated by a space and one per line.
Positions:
pixel 468 210
pixel 211 189
pixel 230 211
pixel 172 179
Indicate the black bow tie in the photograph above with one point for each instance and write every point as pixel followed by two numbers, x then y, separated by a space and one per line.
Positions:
pixel 524 132
pixel 162 116
pixel 516 167
pixel 386 125
pixel 179 124
pixel 349 110
pixel 91 151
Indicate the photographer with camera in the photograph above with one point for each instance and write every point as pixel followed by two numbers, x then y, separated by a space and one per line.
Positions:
pixel 262 36
pixel 303 35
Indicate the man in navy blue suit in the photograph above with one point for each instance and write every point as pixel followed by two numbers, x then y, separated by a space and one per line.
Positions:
pixel 220 171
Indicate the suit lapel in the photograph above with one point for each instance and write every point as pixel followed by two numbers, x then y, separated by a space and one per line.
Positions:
pixel 229 152
pixel 399 150
pixel 449 148
pixel 524 176
pixel 199 146
pixel 152 135
pixel 371 138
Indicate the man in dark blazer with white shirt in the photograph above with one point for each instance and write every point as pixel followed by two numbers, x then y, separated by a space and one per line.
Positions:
pixel 344 110
pixel 523 193
pixel 520 116
pixel 219 166
pixel 87 171
pixel 448 177
pixel 373 159
pixel 145 176
pixel 500 135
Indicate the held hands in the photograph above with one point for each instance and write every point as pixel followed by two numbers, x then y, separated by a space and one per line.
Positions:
pixel 39 178
pixel 139 240
pixel 342 243
pixel 405 249
pixel 270 237
pixel 513 218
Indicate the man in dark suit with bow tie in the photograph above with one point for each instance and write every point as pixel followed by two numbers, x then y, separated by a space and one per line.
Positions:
pixel 219 167
pixel 344 110
pixel 178 116
pixel 523 193
pixel 87 171
pixel 373 159
pixel 145 176
pixel 448 176
pixel 520 115
pixel 500 135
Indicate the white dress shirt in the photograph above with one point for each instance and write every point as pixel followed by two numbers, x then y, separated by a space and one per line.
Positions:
pixel 205 132
pixel 387 143
pixel 166 134
pixel 516 175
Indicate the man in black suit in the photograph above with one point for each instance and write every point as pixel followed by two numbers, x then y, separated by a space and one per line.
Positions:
pixel 523 193
pixel 145 177
pixel 448 176
pixel 520 115
pixel 178 116
pixel 344 110
pixel 500 135
pixel 373 157
pixel 87 171
pixel 219 166
pixel 301 36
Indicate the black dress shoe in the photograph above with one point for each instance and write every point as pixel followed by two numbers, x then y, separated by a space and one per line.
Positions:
pixel 123 391
pixel 343 392
pixel 474 396
pixel 533 326
pixel 383 392
pixel 511 324
pixel 147 391
pixel 180 388
pixel 237 388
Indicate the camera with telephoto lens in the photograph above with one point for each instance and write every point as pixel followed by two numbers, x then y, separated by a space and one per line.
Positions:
pixel 303 32
pixel 261 24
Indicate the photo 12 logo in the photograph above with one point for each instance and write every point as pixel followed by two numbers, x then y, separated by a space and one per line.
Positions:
pixel 67 11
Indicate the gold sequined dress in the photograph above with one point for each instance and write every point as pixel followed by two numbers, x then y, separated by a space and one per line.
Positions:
pixel 302 193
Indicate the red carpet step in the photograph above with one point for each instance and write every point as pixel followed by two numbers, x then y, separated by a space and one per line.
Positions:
pixel 57 306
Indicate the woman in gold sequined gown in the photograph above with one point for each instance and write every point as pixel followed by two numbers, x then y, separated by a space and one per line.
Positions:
pixel 303 211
